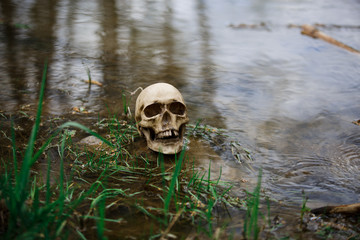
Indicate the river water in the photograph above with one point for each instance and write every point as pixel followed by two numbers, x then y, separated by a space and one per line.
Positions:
pixel 241 65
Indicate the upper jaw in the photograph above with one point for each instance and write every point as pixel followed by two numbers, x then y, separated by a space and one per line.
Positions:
pixel 167 134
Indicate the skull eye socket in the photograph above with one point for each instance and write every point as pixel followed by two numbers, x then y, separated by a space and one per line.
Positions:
pixel 177 108
pixel 153 110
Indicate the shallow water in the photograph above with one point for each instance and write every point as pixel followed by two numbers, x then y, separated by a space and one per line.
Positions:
pixel 288 98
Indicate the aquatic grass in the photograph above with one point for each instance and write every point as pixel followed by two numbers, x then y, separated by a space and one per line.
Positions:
pixel 29 217
pixel 176 201
pixel 47 184
pixel 88 72
pixel 251 227
pixel 16 195
pixel 100 222
pixel 126 108
pixel 204 131
pixel 202 196
pixel 61 198
pixel 13 146
pixel 121 134
pixel 58 131
pixel 22 178
pixel 268 212
pixel 304 209
pixel 169 192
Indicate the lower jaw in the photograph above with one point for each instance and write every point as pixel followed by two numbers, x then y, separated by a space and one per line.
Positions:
pixel 166 141
pixel 166 148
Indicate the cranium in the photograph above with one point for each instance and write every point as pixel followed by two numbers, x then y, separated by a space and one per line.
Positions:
pixel 161 117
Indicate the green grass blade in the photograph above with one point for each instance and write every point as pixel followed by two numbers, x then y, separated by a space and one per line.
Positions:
pixel 61 127
pixel 100 221
pixel 61 199
pixel 81 235
pixel 23 177
pixel 14 148
pixel 209 173
pixel 48 190
pixel 173 182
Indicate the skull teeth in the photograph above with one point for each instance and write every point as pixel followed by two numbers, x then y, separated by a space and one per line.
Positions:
pixel 167 134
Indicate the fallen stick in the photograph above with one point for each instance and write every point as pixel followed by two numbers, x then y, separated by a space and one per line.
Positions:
pixel 316 33
pixel 356 122
pixel 164 234
pixel 351 209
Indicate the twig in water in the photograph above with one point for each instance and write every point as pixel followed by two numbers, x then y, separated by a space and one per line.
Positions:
pixel 164 234
pixel 316 33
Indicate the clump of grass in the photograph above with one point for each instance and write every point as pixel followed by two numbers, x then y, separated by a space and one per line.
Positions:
pixel 29 217
pixel 25 215
pixel 126 108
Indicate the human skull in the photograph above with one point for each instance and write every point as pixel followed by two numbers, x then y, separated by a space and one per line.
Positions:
pixel 161 116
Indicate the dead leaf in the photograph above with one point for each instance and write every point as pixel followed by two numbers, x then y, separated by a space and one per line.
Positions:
pixel 356 122
pixel 79 110
pixel 94 82
pixel 76 109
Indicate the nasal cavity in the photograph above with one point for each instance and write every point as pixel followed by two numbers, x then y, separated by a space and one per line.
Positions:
pixel 166 118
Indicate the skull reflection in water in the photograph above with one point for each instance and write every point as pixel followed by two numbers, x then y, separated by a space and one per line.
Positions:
pixel 161 116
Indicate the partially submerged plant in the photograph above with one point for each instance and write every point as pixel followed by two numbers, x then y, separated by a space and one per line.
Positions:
pixel 28 215
pixel 304 208
pixel 88 72
pixel 251 228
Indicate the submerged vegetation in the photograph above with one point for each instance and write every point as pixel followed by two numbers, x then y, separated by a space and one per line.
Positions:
pixel 112 188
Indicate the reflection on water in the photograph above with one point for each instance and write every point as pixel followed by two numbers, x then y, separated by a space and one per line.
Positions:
pixel 289 97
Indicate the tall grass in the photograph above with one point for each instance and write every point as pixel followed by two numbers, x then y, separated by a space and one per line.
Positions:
pixel 15 189
pixel 173 181
pixel 29 217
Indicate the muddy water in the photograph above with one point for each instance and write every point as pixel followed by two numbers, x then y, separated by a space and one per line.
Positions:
pixel 288 98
